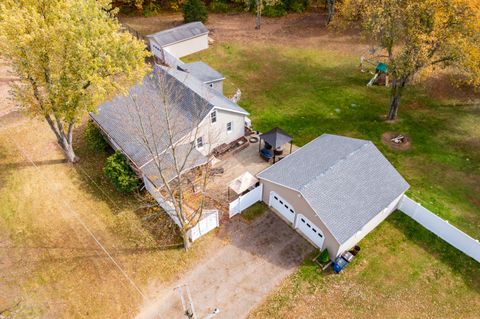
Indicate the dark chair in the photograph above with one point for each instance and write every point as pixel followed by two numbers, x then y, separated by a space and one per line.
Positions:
pixel 266 154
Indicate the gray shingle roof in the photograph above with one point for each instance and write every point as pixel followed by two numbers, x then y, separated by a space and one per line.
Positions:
pixel 203 72
pixel 215 97
pixel 185 155
pixel 178 34
pixel 127 119
pixel 346 181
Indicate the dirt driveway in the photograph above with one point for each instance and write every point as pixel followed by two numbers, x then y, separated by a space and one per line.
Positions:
pixel 237 277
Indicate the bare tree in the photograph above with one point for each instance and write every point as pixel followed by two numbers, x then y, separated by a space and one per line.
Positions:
pixel 166 121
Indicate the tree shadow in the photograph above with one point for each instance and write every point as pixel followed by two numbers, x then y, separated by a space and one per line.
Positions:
pixel 459 263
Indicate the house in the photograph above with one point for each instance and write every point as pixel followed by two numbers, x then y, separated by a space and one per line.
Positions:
pixel 202 116
pixel 333 191
pixel 179 41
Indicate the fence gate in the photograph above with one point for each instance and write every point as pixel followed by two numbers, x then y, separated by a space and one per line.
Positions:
pixel 245 201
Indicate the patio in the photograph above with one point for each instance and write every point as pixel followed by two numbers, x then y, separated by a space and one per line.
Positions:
pixel 234 165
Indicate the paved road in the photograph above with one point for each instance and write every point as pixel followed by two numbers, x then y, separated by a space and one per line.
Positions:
pixel 239 276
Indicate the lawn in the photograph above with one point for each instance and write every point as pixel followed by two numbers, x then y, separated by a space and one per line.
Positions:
pixel 403 270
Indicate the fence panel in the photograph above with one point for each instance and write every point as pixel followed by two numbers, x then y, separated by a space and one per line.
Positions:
pixel 441 228
pixel 208 222
pixel 245 201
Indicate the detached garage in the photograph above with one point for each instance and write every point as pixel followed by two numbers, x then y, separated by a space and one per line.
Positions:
pixel 333 191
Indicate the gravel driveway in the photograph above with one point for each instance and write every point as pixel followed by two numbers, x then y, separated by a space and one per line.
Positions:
pixel 237 277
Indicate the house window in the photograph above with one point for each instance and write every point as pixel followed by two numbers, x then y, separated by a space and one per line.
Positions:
pixel 211 85
pixel 320 235
pixel 229 127
pixel 213 117
pixel 303 220
pixel 200 142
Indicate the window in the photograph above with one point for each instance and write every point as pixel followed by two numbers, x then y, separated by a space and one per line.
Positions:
pixel 275 197
pixel 281 202
pixel 200 142
pixel 320 235
pixel 303 220
pixel 213 117
pixel 314 230
pixel 286 206
pixel 308 225
pixel 291 211
pixel 229 127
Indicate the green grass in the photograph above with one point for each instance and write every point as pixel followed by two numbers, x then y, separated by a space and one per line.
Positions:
pixel 403 270
pixel 254 211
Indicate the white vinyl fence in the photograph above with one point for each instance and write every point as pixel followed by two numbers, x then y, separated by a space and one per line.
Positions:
pixel 441 228
pixel 209 220
pixel 245 201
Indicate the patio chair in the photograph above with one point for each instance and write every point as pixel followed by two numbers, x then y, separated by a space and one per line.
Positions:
pixel 267 155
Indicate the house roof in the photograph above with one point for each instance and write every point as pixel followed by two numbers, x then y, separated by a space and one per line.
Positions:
pixel 276 137
pixel 214 97
pixel 202 71
pixel 129 120
pixel 179 34
pixel 346 181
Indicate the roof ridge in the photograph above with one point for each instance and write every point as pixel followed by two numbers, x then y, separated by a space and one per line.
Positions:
pixel 340 160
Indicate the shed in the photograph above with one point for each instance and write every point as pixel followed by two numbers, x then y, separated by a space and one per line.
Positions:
pixel 179 41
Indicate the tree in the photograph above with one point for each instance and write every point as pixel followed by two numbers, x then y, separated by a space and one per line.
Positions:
pixel 194 10
pixel 70 56
pixel 259 5
pixel 420 35
pixel 331 10
pixel 160 126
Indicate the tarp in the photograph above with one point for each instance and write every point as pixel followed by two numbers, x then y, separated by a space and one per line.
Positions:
pixel 242 183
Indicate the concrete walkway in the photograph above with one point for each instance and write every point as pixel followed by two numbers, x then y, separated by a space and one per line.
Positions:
pixel 239 276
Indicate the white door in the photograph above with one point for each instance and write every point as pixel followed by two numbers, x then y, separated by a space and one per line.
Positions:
pixel 282 206
pixel 311 231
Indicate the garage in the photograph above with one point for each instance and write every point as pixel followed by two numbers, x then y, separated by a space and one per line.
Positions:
pixel 282 206
pixel 310 231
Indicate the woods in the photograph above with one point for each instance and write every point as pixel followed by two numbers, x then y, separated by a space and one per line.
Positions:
pixel 61 78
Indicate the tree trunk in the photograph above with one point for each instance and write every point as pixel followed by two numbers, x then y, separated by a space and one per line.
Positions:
pixel 397 88
pixel 331 10
pixel 258 4
pixel 186 241
pixel 65 140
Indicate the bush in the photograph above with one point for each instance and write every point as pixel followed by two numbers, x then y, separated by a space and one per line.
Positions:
pixel 277 10
pixel 94 138
pixel 219 6
pixel 194 10
pixel 120 174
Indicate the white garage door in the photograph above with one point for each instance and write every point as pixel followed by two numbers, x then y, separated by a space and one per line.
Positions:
pixel 310 230
pixel 282 206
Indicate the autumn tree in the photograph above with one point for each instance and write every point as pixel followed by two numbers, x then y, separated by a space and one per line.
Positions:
pixel 420 35
pixel 70 56
pixel 165 121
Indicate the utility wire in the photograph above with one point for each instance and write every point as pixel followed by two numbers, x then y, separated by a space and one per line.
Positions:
pixel 87 229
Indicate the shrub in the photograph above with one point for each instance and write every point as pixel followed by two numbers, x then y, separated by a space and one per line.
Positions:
pixel 194 10
pixel 95 138
pixel 277 10
pixel 219 6
pixel 120 174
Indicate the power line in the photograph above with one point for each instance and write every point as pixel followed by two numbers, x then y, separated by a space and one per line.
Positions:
pixel 87 229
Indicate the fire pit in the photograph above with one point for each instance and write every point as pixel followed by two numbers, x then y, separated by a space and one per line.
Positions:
pixel 397 141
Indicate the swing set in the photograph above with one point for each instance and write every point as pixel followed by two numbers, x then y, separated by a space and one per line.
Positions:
pixel 380 75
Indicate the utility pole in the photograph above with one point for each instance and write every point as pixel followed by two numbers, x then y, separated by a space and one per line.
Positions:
pixel 187 303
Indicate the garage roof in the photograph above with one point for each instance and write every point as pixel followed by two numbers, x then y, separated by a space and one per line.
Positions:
pixel 178 34
pixel 346 181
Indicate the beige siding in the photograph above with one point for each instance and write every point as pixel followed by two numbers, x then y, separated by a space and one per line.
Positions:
pixel 300 206
pixel 188 47
pixel 355 239
pixel 216 133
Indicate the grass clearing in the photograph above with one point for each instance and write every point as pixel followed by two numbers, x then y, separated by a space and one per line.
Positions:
pixel 402 269
pixel 254 211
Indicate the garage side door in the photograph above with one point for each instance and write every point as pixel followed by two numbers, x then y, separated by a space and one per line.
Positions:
pixel 311 231
pixel 282 206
